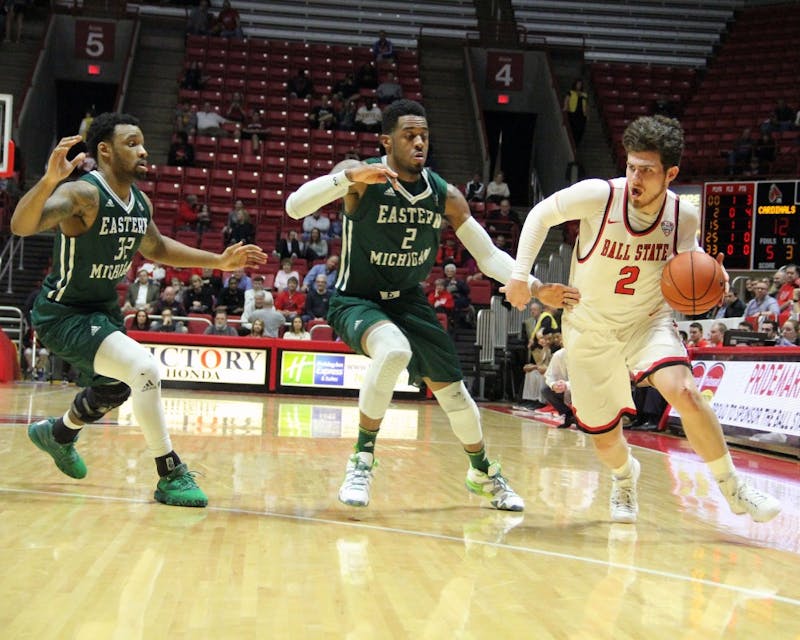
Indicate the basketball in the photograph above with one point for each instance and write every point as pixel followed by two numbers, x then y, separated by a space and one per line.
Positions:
pixel 692 282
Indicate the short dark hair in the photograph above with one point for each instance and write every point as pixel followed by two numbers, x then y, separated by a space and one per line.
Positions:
pixel 656 133
pixel 392 113
pixel 102 129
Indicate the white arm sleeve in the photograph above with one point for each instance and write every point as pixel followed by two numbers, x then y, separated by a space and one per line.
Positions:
pixel 317 193
pixel 578 201
pixel 492 261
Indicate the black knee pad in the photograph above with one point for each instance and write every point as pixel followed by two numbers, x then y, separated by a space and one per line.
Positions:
pixel 92 403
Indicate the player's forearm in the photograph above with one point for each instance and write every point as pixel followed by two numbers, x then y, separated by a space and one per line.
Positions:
pixel 491 261
pixel 316 193
pixel 28 217
pixel 177 254
pixel 534 233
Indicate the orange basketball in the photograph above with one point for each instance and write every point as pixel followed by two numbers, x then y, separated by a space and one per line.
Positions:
pixel 692 282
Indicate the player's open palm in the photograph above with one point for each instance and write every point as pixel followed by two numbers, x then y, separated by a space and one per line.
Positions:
pixel 238 256
pixel 58 167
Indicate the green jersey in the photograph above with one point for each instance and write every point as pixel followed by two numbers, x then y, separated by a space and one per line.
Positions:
pixel 87 268
pixel 389 242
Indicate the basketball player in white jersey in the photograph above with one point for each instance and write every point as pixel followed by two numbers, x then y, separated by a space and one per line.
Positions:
pixel 629 227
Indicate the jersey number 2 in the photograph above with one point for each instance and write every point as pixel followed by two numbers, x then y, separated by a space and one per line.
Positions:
pixel 411 234
pixel 629 276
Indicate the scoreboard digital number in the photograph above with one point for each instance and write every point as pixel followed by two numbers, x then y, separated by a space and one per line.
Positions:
pixel 755 224
pixel 728 222
pixel 777 225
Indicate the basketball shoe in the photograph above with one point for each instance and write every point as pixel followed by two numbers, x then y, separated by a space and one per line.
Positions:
pixel 743 498
pixel 357 479
pixel 494 487
pixel 64 455
pixel 624 507
pixel 179 489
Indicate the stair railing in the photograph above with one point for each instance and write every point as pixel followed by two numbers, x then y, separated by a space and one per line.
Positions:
pixel 14 246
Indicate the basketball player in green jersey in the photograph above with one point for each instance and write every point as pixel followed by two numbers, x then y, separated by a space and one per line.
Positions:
pixel 394 211
pixel 101 220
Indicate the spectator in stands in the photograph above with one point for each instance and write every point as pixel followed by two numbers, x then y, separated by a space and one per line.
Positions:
pixel 368 117
pixel 317 300
pixel 330 270
pixel 382 49
pixel 696 338
pixel 200 20
pixel 450 252
pixel 237 214
pixel 168 324
pixel 765 151
pixel 36 370
pixel 249 294
pixel 497 189
pixel 389 90
pixel 792 275
pixel 290 246
pixel 557 390
pixel 345 89
pixel 316 247
pixel 186 218
pixel 367 76
pixel 501 243
pixel 181 151
pixel 716 334
pixel 740 154
pixel 83 128
pixel 784 289
pixel 198 297
pixel 203 219
pixel 245 282
pixel 290 302
pixel 213 279
pixel 534 384
pixel 316 220
pixel 264 310
pixel 475 190
pixel 229 23
pixel 241 229
pixel 762 305
pixel 177 284
pixel 220 326
pixel 257 329
pixel 336 225
pixel 575 106
pixel 770 328
pixel 346 118
pixel 209 122
pixel 231 298
pixel 790 334
pixel 731 307
pixel 186 118
pixel 255 310
pixel 255 129
pixel 542 318
pixel 323 115
pixel 141 321
pixel 503 218
pixel 286 272
pixel 440 298
pixel 463 311
pixel 783 116
pixel 297 331
pixel 143 293
pixel 236 111
pixel 193 77
pixel 300 85
pixel 168 300
pixel 650 406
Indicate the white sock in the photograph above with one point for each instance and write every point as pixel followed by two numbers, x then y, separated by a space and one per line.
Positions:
pixel 70 423
pixel 722 468
pixel 625 470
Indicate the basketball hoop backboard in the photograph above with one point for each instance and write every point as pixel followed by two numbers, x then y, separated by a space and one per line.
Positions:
pixel 6 146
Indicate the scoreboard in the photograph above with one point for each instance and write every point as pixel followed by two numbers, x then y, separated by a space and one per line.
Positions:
pixel 755 224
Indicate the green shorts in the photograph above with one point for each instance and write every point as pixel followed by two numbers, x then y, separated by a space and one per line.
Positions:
pixel 75 335
pixel 433 354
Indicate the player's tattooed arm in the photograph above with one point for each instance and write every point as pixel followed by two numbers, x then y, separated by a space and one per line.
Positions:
pixel 73 206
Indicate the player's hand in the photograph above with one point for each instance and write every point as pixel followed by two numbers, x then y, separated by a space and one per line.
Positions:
pixel 518 293
pixel 720 258
pixel 371 173
pixel 240 255
pixel 58 167
pixel 558 295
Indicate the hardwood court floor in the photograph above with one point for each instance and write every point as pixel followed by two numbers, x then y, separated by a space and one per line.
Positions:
pixel 275 555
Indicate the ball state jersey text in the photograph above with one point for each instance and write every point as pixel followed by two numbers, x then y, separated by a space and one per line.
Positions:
pixel 618 269
pixel 389 242
pixel 87 268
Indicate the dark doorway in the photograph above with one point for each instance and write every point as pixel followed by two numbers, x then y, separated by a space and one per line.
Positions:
pixel 515 151
pixel 75 98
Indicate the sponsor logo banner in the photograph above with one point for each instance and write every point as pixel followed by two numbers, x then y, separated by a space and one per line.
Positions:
pixel 329 370
pixel 195 363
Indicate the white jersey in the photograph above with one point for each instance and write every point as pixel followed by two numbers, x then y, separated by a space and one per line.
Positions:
pixel 620 252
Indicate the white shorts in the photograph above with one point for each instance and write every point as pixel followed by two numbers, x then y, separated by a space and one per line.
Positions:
pixel 601 364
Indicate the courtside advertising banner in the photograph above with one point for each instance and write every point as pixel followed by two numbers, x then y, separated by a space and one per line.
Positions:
pixel 763 396
pixel 221 365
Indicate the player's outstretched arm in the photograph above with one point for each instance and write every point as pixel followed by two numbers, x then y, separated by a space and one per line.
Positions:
pixel 40 208
pixel 346 180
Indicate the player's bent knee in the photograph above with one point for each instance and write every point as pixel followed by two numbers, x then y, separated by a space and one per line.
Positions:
pixel 146 375
pixel 390 352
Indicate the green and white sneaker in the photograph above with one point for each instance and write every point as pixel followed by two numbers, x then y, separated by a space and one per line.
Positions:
pixel 357 479
pixel 179 489
pixel 494 487
pixel 66 458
